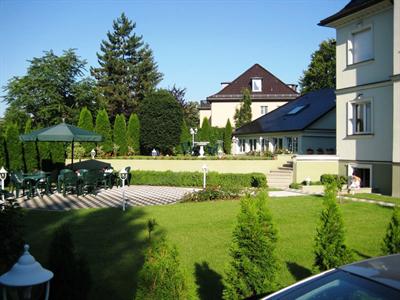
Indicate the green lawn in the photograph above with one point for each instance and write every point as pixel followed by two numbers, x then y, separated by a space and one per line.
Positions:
pixel 376 197
pixel 114 241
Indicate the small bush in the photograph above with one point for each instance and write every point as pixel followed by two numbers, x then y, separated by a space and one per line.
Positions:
pixel 295 185
pixel 211 194
pixel 195 179
pixel 391 242
pixel 338 180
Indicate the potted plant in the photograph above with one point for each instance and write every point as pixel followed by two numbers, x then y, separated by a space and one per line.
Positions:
pixel 310 151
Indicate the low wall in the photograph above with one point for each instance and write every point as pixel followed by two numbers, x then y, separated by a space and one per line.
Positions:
pixel 313 166
pixel 221 166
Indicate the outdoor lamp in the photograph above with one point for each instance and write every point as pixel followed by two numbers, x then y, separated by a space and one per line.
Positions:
pixel 154 153
pixel 3 176
pixel 93 153
pixel 205 171
pixel 123 175
pixel 308 180
pixel 193 131
pixel 24 275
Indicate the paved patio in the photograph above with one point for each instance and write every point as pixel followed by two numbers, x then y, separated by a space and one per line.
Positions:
pixel 136 195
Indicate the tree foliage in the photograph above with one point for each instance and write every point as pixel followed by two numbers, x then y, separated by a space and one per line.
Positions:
pixel 30 153
pixel 190 109
pixel 391 242
pixel 127 71
pixel 120 137
pixel 330 250
pixel 86 122
pixel 185 138
pixel 321 72
pixel 14 148
pixel 205 133
pixel 72 278
pixel 228 137
pixel 253 266
pixel 161 276
pixel 160 122
pixel 103 127
pixel 52 88
pixel 243 113
pixel 133 134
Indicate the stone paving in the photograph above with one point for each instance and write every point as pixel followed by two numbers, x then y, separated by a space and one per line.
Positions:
pixel 135 195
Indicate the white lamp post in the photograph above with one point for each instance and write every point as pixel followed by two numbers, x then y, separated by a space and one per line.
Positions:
pixel 3 176
pixel 25 274
pixel 154 153
pixel 193 132
pixel 123 175
pixel 93 153
pixel 205 171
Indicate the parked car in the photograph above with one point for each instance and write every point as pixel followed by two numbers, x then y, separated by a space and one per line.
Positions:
pixel 372 279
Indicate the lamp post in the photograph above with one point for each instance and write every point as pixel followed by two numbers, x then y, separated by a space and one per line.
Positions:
pixel 193 132
pixel 3 176
pixel 93 153
pixel 25 274
pixel 154 153
pixel 123 175
pixel 205 171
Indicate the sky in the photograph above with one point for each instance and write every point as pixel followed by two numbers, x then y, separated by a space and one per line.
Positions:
pixel 197 43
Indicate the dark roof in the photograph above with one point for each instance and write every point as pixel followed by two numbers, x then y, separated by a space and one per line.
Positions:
pixel 351 7
pixel 271 85
pixel 310 107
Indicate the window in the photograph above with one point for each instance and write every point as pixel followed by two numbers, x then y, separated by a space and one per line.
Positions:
pixel 292 144
pixel 256 84
pixel 264 110
pixel 362 171
pixel 359 117
pixel 296 110
pixel 360 46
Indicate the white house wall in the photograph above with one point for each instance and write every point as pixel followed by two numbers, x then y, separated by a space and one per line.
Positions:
pixel 326 122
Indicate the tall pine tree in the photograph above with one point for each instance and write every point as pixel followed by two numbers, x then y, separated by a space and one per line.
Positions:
pixel 243 113
pixel 120 134
pixel 127 70
pixel 133 134
pixel 103 127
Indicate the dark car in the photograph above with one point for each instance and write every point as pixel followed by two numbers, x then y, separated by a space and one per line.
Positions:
pixel 371 279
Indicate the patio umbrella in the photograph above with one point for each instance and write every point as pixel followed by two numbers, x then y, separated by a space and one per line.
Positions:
pixel 62 133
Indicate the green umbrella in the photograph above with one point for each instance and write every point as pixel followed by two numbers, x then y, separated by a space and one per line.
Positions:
pixel 62 133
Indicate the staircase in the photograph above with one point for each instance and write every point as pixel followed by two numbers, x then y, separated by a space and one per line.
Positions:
pixel 282 177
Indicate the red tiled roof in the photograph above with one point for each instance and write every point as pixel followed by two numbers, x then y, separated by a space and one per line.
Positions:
pixel 272 87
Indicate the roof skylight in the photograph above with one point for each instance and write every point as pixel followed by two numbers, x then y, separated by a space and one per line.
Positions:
pixel 296 109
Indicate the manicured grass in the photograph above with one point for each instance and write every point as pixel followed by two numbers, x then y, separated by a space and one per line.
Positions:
pixel 376 197
pixel 114 241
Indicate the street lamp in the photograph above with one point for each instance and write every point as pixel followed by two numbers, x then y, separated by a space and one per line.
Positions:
pixel 3 176
pixel 93 153
pixel 193 132
pixel 25 274
pixel 123 175
pixel 205 171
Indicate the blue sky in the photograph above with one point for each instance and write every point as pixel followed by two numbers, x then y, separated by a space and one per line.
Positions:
pixel 197 44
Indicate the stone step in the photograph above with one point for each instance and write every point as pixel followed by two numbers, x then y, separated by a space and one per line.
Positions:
pixel 285 168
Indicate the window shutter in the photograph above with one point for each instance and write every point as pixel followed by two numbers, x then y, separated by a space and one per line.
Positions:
pixel 362 45
pixel 350 122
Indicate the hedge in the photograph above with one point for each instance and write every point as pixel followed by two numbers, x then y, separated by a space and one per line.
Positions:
pixel 195 179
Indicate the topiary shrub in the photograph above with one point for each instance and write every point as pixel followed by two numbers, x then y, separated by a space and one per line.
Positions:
pixel 103 127
pixel 330 250
pixel 119 136
pixel 391 242
pixel 161 276
pixel 133 134
pixel 228 137
pixel 253 266
pixel 86 122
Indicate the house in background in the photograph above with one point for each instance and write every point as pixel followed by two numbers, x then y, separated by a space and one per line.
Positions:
pixel 267 93
pixel 307 123
pixel 368 92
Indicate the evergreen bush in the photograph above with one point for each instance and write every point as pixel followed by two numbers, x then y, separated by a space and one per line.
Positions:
pixel 133 134
pixel 204 134
pixel 253 266
pixel 30 153
pixel 330 250
pixel 391 242
pixel 228 137
pixel 86 122
pixel 103 127
pixel 161 276
pixel 185 139
pixel 14 148
pixel 120 137
pixel 72 278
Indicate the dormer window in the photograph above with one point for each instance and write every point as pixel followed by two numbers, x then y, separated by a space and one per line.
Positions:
pixel 256 84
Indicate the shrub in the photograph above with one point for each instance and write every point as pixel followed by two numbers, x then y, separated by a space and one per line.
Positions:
pixel 185 138
pixel 103 127
pixel 14 148
pixel 391 242
pixel 72 278
pixel 30 153
pixel 253 266
pixel 329 249
pixel 120 137
pixel 205 131
pixel 211 194
pixel 223 180
pixel 3 161
pixel 11 228
pixel 161 276
pixel 295 185
pixel 160 122
pixel 86 122
pixel 228 137
pixel 338 180
pixel 133 133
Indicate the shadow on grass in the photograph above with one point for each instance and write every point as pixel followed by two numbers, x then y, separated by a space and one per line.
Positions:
pixel 360 254
pixel 209 282
pixel 299 272
pixel 113 242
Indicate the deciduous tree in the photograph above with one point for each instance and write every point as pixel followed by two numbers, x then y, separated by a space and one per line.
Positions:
pixel 190 109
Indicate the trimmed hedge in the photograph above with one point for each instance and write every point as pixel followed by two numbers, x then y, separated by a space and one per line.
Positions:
pixel 224 180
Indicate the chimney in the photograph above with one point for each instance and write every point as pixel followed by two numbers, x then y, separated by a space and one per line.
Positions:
pixel 224 84
pixel 293 86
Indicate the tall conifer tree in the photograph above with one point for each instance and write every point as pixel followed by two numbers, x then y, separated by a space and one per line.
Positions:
pixel 133 133
pixel 103 127
pixel 243 113
pixel 86 122
pixel 120 137
pixel 14 148
pixel 228 137
pixel 127 70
